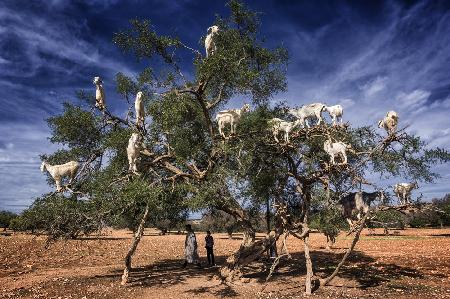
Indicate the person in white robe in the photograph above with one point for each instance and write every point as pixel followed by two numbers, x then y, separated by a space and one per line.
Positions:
pixel 190 247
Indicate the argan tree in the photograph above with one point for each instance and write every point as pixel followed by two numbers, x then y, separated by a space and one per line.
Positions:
pixel 185 164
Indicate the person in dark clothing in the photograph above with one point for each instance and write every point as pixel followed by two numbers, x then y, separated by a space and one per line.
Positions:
pixel 209 241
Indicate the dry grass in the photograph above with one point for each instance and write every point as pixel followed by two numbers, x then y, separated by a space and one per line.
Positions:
pixel 412 264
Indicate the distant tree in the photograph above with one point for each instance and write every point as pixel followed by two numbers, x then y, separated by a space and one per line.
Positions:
pixel 443 204
pixel 5 219
pixel 219 221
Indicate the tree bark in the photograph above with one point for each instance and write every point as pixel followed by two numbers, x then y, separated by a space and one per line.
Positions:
pixel 136 239
pixel 309 268
pixel 327 280
pixel 246 254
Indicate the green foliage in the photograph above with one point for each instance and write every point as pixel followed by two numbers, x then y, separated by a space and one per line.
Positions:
pixel 390 219
pixel 440 216
pixel 144 42
pixel 241 63
pixel 77 129
pixel 58 216
pixel 6 218
pixel 443 205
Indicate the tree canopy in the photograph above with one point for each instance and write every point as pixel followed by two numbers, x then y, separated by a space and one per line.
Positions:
pixel 185 165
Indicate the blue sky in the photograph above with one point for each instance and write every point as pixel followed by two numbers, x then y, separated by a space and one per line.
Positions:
pixel 369 56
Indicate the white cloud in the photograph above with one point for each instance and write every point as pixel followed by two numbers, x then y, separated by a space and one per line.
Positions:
pixel 372 88
pixel 413 100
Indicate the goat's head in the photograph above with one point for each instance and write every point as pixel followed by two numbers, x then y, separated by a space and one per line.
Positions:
pixel 392 114
pixel 246 108
pixel 213 29
pixel 135 138
pixel 43 166
pixel 327 145
pixel 139 95
pixel 97 81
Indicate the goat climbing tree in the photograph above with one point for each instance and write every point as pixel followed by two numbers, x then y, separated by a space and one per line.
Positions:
pixel 185 164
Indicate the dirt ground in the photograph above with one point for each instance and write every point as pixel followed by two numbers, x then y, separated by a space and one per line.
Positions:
pixel 412 263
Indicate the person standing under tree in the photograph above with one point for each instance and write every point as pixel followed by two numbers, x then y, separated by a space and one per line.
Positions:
pixel 190 247
pixel 209 241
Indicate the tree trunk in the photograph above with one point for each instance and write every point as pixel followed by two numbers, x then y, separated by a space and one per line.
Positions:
pixel 309 268
pixel 246 254
pixel 249 236
pixel 328 279
pixel 268 215
pixel 136 239
pixel 306 192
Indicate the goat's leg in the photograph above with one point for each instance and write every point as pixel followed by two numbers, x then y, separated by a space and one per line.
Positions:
pixel 319 118
pixel 350 222
pixel 307 123
pixel 358 215
pixel 275 135
pixel 134 165
pixel 221 128
pixel 344 155
pixel 408 197
pixel 58 184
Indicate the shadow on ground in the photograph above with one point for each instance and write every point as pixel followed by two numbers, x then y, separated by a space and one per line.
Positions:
pixel 360 271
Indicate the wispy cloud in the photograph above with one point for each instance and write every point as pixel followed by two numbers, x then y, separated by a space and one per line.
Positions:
pixel 386 56
pixel 399 63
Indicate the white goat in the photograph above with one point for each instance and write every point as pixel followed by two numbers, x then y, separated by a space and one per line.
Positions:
pixel 210 45
pixel 336 148
pixel 139 106
pixel 99 93
pixel 278 125
pixel 389 122
pixel 336 113
pixel 308 111
pixel 58 172
pixel 231 117
pixel 403 191
pixel 133 151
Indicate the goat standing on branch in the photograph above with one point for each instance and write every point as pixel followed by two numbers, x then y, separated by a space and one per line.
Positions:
pixel 309 111
pixel 336 113
pixel 99 93
pixel 231 117
pixel 133 150
pixel 403 191
pixel 277 125
pixel 359 203
pixel 58 172
pixel 389 122
pixel 139 106
pixel 210 45
pixel 336 149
